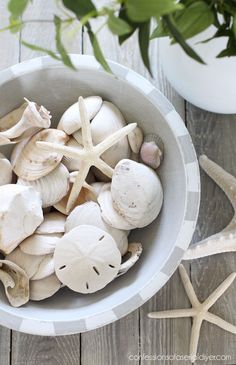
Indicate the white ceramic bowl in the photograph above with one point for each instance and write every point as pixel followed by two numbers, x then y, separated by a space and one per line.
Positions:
pixel 53 85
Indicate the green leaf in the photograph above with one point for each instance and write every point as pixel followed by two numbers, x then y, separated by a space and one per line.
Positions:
pixel 62 51
pixel 41 49
pixel 142 10
pixel 80 7
pixel 17 7
pixel 118 26
pixel 179 38
pixel 159 31
pixel 97 49
pixel 133 25
pixel 194 19
pixel 15 25
pixel 143 38
pixel 234 26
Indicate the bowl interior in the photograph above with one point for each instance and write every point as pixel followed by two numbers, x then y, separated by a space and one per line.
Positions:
pixel 56 89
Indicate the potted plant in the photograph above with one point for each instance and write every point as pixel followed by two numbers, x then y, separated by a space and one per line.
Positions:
pixel 198 52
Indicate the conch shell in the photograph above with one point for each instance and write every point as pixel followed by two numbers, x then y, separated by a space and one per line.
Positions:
pixel 30 162
pixel 16 283
pixel 25 121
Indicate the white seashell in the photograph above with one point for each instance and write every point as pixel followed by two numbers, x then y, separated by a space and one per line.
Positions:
pixel 86 268
pixel 45 269
pixel 5 170
pixel 72 164
pixel 32 119
pixel 152 150
pixel 98 186
pixel 78 137
pixel 134 156
pixel 90 213
pixel 109 214
pixel 54 222
pixel 16 283
pixel 9 120
pixel 29 263
pixel 52 187
pixel 40 244
pixel 132 256
pixel 86 194
pixel 107 121
pixel 20 214
pixel 44 288
pixel 136 193
pixel 70 120
pixel 30 162
pixel 135 139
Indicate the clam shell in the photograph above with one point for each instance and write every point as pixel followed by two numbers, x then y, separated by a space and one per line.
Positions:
pixel 107 121
pixel 109 214
pixel 70 120
pixel 133 253
pixel 33 118
pixel 31 162
pixel 5 170
pixel 54 222
pixel 136 193
pixel 46 268
pixel 72 164
pixel 86 268
pixel 40 244
pixel 135 139
pixel 44 288
pixel 52 187
pixel 16 283
pixel 152 150
pixel 21 213
pixel 90 213
pixel 10 119
pixel 98 186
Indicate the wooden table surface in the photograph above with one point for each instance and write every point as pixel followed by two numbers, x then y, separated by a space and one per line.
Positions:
pixel 135 334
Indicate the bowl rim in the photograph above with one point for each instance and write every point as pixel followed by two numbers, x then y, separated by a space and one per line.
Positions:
pixel 27 324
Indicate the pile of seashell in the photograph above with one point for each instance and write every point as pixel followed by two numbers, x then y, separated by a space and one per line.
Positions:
pixel 70 196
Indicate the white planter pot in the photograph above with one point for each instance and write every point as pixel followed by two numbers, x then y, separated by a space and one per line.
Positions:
pixel 211 87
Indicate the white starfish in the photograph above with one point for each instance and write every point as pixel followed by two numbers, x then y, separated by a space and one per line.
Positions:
pixel 199 311
pixel 90 155
pixel 224 241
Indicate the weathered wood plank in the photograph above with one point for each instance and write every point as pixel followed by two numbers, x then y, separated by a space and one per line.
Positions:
pixel 215 136
pixel 9 46
pixel 154 337
pixel 28 349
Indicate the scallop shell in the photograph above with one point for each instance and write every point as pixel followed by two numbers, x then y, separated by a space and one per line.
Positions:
pixel 135 139
pixel 72 164
pixel 31 162
pixel 136 193
pixel 16 283
pixel 107 121
pixel 152 150
pixel 86 194
pixel 70 120
pixel 32 119
pixel 54 222
pixel 40 244
pixel 90 213
pixel 86 268
pixel 133 253
pixel 109 214
pixel 52 187
pixel 5 170
pixel 44 288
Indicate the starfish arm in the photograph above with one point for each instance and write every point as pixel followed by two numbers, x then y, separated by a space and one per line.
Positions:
pixel 226 181
pixel 64 150
pixel 104 167
pixel 219 291
pixel 114 138
pixel 220 242
pixel 212 318
pixel 194 339
pixel 77 186
pixel 90 188
pixel 188 286
pixel 175 313
pixel 85 124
